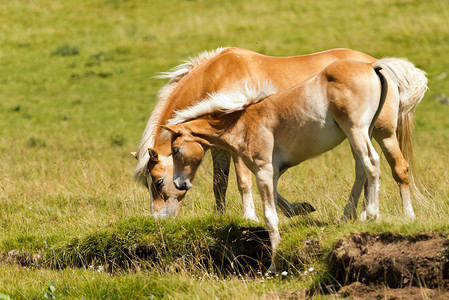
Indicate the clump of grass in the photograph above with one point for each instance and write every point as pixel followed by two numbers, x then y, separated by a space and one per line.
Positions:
pixel 217 244
pixel 66 50
pixel 17 108
pixel 97 58
pixel 36 143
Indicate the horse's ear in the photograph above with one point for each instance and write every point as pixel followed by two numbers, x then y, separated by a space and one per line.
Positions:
pixel 202 141
pixel 134 154
pixel 154 158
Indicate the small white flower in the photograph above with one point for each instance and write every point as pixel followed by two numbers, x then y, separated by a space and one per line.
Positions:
pixel 311 269
pixel 285 273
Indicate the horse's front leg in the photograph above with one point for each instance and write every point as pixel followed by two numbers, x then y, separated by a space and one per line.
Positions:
pixel 265 183
pixel 221 160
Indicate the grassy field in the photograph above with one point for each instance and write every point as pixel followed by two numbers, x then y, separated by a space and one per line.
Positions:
pixel 76 90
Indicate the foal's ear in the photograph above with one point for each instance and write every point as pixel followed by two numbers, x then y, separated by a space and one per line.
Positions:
pixel 134 154
pixel 171 129
pixel 154 158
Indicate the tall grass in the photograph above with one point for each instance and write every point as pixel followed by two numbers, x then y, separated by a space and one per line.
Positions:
pixel 76 90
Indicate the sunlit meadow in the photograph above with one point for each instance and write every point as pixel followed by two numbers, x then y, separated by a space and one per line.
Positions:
pixel 76 90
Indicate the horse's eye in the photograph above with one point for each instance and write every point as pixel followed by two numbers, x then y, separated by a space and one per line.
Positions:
pixel 159 183
pixel 175 151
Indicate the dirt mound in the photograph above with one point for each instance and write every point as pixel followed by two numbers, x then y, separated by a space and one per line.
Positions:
pixel 360 291
pixel 390 260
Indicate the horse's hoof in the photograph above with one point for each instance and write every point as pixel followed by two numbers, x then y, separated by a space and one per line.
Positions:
pixel 346 218
pixel 301 208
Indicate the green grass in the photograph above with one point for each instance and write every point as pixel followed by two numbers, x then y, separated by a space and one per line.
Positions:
pixel 76 90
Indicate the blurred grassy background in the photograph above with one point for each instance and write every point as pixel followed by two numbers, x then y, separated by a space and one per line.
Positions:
pixel 76 90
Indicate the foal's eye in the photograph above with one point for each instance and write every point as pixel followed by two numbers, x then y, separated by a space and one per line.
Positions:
pixel 175 151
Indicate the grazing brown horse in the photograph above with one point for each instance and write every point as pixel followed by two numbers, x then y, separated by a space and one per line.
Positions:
pixel 223 70
pixel 275 133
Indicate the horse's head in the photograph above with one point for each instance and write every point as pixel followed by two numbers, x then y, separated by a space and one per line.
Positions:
pixel 187 153
pixel 166 199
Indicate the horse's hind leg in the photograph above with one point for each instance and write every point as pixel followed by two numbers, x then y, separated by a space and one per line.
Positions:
pixel 221 161
pixel 399 169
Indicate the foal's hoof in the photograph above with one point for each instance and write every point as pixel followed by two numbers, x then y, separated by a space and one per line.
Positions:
pixel 302 208
pixel 364 217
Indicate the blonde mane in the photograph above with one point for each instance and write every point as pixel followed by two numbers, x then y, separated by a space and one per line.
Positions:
pixel 225 102
pixel 174 75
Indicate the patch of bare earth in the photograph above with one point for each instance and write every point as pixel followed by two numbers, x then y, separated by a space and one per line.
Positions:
pixel 360 291
pixel 391 267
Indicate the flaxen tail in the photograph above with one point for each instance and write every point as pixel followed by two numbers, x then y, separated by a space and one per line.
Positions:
pixel 412 84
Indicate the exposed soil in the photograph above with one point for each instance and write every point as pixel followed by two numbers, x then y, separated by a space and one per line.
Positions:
pixel 395 261
pixel 375 266
pixel 360 291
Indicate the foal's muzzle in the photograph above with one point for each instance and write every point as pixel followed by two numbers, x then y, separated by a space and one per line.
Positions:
pixel 182 185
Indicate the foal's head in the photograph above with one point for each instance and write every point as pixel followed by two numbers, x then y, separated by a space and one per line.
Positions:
pixel 187 152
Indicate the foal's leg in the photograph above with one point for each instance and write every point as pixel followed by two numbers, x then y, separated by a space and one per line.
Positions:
pixel 399 169
pixel 370 160
pixel 221 161
pixel 350 210
pixel 265 183
pixel 244 183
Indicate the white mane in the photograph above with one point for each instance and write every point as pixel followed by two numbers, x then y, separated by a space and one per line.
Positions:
pixel 224 102
pixel 174 75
